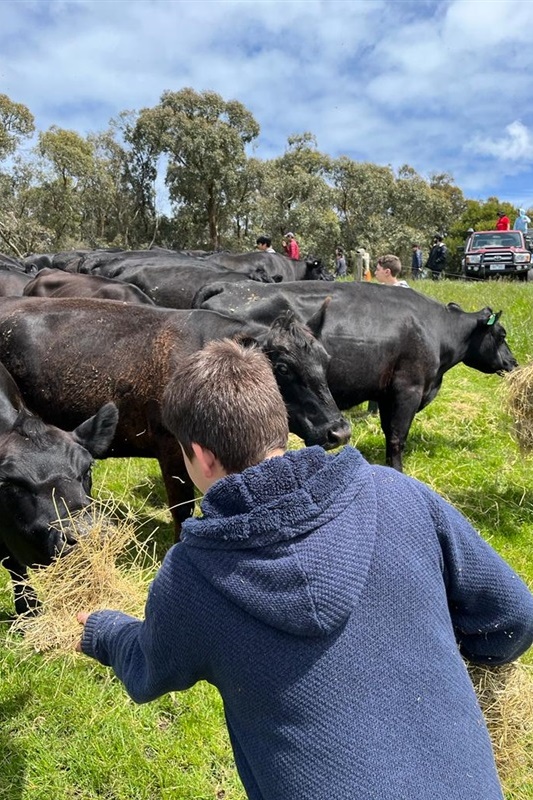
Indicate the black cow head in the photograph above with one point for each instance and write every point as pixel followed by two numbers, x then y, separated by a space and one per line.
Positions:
pixel 488 350
pixel 300 365
pixel 260 274
pixel 316 271
pixel 45 478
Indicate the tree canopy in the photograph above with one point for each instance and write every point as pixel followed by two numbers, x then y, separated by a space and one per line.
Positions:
pixel 70 190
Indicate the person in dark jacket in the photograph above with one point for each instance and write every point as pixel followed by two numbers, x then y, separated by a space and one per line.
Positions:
pixel 438 255
pixel 329 600
pixel 416 262
pixel 340 263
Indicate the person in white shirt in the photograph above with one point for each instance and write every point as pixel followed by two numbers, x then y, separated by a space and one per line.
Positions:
pixel 387 270
pixel 264 243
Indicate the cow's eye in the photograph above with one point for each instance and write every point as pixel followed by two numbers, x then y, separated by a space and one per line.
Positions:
pixel 282 369
pixel 87 479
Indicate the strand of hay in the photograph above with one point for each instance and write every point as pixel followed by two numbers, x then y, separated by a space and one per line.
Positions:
pixel 505 695
pixel 519 390
pixel 108 568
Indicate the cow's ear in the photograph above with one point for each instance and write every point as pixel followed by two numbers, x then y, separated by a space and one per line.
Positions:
pixel 494 317
pixel 97 433
pixel 454 306
pixel 489 317
pixel 316 322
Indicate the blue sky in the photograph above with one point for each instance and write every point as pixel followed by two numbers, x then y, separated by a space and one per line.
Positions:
pixel 442 86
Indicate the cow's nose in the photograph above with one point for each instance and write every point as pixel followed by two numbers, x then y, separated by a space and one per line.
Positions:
pixel 340 434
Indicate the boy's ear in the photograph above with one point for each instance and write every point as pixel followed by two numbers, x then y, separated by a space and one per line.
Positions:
pixel 205 458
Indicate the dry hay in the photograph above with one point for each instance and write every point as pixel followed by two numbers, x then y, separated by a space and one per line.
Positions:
pixel 519 390
pixel 108 568
pixel 505 695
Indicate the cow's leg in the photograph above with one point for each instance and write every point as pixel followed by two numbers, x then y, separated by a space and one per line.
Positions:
pixel 397 410
pixel 26 601
pixel 179 487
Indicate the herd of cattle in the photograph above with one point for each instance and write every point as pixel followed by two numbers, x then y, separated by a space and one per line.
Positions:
pixel 89 340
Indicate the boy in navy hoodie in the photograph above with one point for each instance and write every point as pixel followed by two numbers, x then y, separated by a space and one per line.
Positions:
pixel 330 601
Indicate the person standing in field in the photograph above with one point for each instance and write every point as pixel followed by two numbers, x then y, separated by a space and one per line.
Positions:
pixel 291 247
pixel 340 263
pixel 330 601
pixel 416 262
pixel 438 255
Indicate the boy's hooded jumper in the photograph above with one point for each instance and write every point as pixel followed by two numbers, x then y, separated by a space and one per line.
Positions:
pixel 329 600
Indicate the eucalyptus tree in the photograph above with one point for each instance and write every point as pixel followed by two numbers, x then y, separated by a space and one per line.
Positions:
pixel 204 138
pixel 21 230
pixel 363 198
pixel 66 160
pixel 18 228
pixel 295 194
pixel 16 124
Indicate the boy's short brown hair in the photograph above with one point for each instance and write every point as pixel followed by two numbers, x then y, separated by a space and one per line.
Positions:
pixel 392 263
pixel 226 399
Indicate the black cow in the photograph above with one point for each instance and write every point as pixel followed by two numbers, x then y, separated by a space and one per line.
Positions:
pixel 71 356
pixel 37 261
pixel 279 267
pixel 57 283
pixel 172 286
pixel 257 265
pixel 12 282
pixel 45 478
pixel 386 344
pixel 111 264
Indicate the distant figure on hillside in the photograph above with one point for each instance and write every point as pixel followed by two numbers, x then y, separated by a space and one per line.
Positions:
pixel 340 263
pixel 437 258
pixel 264 243
pixel 503 223
pixel 416 262
pixel 290 246
pixel 522 221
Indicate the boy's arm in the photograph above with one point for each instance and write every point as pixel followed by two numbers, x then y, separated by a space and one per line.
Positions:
pixel 154 656
pixel 490 606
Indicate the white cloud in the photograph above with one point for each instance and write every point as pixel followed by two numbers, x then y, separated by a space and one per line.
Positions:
pixel 516 145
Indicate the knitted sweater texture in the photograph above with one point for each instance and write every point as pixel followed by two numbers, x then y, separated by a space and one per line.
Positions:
pixel 329 601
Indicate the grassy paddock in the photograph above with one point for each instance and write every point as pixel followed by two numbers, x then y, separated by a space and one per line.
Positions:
pixel 67 728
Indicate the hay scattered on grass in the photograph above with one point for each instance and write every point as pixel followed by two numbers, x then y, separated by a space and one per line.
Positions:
pixel 519 390
pixel 108 568
pixel 505 695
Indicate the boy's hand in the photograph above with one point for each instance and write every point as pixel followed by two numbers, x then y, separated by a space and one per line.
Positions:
pixel 82 618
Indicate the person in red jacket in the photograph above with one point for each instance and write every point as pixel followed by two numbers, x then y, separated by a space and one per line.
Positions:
pixel 290 246
pixel 503 223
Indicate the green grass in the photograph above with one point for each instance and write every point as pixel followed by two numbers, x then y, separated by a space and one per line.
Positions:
pixel 67 728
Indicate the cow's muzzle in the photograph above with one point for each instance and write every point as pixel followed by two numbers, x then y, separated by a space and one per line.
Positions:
pixel 338 435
